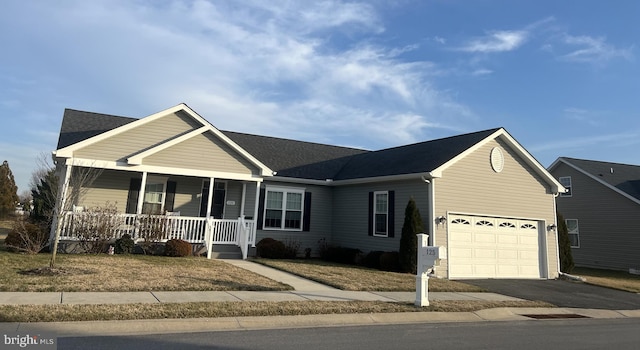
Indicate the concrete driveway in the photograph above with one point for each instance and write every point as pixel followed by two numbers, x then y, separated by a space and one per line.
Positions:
pixel 562 293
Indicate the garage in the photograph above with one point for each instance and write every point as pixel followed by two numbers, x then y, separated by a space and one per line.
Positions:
pixel 492 247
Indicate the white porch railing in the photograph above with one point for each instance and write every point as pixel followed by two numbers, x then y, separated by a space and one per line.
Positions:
pixel 196 230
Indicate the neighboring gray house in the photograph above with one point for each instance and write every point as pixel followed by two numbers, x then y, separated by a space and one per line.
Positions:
pixel 602 211
pixel 481 195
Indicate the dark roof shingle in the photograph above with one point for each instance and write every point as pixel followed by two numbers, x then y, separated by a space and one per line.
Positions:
pixel 300 159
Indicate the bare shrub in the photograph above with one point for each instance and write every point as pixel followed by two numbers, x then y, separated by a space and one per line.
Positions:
pixel 152 230
pixel 292 248
pixel 96 227
pixel 26 237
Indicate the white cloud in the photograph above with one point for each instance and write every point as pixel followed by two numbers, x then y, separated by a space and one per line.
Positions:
pixel 578 143
pixel 497 41
pixel 592 50
pixel 481 71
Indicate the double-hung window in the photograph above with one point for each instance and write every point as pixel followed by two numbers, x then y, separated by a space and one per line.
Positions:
pixel 574 232
pixel 154 197
pixel 565 181
pixel 381 213
pixel 283 208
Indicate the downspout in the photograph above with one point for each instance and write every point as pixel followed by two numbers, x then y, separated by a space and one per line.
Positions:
pixel 432 210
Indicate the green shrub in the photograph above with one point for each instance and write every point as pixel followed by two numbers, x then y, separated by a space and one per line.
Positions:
pixel 408 254
pixel 124 244
pixel 389 261
pixel 342 255
pixel 26 237
pixel 178 248
pixel 372 259
pixel 271 249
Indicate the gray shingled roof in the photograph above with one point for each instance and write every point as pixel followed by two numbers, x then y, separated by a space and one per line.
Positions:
pixel 410 159
pixel 624 177
pixel 80 125
pixel 299 159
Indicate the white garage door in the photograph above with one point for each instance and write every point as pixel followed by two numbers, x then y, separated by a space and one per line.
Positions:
pixel 486 247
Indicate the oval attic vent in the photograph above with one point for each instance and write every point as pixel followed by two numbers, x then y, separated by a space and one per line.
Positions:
pixel 497 159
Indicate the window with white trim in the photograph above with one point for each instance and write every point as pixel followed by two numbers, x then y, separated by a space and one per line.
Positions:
pixel 381 213
pixel 565 181
pixel 283 209
pixel 574 232
pixel 154 196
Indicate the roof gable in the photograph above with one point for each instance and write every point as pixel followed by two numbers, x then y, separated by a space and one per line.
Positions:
pixel 423 157
pixel 85 121
pixel 304 160
pixel 622 178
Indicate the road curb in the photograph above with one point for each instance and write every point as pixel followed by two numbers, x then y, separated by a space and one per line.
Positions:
pixel 168 326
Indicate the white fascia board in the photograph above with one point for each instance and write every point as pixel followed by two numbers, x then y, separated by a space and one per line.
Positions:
pixel 330 182
pixel 137 159
pixel 402 177
pixel 68 151
pixel 296 180
pixel 92 163
pixel 264 170
pixel 604 183
pixel 556 187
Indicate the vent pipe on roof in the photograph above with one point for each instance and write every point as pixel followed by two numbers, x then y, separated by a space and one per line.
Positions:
pixel 611 170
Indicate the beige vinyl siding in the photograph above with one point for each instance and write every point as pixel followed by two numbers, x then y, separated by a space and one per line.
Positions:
pixel 202 152
pixel 234 195
pixel 111 186
pixel 188 195
pixel 127 143
pixel 470 186
pixel 609 223
pixel 250 201
pixel 351 213
pixel 321 198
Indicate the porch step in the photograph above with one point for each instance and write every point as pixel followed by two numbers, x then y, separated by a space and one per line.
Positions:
pixel 225 252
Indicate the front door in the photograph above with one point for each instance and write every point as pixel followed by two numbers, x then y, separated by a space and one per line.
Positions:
pixel 219 194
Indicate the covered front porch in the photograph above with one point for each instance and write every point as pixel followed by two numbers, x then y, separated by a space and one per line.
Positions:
pixel 202 211
pixel 206 231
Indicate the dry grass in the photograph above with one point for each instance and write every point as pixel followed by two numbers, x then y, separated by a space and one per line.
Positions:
pixel 5 227
pixel 612 279
pixel 61 312
pixel 348 277
pixel 121 273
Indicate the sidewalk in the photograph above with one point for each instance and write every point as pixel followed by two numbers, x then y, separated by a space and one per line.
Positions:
pixel 304 290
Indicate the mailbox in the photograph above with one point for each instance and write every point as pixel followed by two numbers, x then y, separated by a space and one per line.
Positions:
pixel 428 257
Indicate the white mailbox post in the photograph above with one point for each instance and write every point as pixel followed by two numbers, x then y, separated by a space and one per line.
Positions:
pixel 428 257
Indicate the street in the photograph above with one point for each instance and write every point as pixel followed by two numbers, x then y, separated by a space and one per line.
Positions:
pixel 522 335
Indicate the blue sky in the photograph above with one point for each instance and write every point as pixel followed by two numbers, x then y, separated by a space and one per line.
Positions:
pixel 561 76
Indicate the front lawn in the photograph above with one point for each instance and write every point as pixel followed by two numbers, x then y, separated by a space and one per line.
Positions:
pixel 611 279
pixel 125 273
pixel 349 277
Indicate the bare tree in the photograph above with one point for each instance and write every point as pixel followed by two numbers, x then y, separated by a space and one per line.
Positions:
pixel 72 187
pixel 63 186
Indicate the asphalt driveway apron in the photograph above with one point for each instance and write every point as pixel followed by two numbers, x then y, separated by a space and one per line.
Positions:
pixel 563 293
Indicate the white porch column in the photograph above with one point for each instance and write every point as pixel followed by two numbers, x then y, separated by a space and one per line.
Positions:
pixel 244 194
pixel 210 197
pixel 143 186
pixel 255 215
